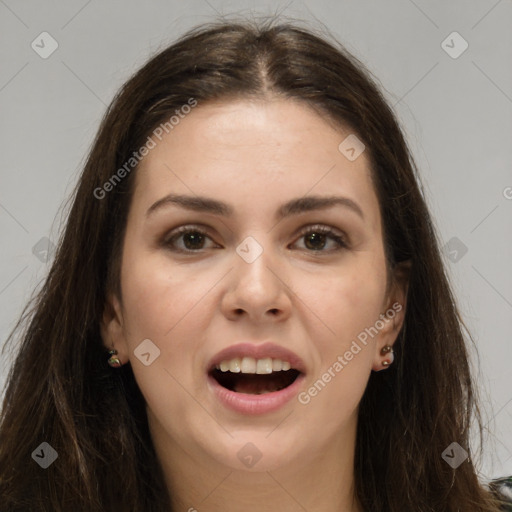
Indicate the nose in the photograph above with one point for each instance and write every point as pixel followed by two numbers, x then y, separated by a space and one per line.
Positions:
pixel 258 289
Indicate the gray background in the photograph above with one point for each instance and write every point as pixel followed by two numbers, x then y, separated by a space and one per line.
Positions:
pixel 456 113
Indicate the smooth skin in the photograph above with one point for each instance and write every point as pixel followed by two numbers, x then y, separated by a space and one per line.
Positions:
pixel 308 294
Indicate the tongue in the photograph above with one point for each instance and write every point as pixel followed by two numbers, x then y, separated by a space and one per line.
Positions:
pixel 255 384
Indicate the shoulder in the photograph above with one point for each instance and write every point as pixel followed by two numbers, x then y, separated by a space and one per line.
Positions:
pixel 502 488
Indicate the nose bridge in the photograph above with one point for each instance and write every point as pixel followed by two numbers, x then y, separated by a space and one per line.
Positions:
pixel 257 260
pixel 257 285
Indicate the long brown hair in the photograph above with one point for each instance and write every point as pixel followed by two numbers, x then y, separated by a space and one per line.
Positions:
pixel 61 390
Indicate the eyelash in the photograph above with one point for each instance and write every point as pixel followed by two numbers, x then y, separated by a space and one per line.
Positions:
pixel 324 230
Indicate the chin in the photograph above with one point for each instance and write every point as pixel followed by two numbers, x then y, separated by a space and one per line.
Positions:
pixel 256 450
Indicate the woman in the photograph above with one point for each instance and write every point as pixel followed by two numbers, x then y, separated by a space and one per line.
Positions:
pixel 249 250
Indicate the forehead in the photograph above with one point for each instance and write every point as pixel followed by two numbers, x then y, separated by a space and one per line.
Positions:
pixel 257 151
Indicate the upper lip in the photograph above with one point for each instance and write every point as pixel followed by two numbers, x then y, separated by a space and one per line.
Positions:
pixel 258 351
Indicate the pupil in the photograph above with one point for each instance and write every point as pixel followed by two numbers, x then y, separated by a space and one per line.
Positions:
pixel 193 236
pixel 318 237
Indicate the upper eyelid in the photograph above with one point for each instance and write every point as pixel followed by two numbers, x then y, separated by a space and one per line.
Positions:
pixel 206 229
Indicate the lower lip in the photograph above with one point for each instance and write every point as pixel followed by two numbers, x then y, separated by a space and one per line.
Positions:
pixel 255 404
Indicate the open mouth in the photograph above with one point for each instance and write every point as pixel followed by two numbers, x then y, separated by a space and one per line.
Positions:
pixel 254 377
pixel 254 384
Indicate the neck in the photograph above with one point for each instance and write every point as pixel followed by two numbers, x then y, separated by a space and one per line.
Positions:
pixel 323 482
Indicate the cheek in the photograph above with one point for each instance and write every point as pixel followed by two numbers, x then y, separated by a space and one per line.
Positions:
pixel 157 296
pixel 159 305
pixel 347 300
pixel 166 304
pixel 351 304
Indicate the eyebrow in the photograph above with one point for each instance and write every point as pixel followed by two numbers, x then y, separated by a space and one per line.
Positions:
pixel 292 207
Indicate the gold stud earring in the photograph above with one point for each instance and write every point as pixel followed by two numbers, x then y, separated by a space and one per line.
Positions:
pixel 113 360
pixel 385 350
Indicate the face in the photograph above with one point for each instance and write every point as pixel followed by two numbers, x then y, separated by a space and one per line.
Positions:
pixel 268 280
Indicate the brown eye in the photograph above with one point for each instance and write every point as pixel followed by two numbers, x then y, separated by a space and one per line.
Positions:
pixel 316 238
pixel 315 241
pixel 193 239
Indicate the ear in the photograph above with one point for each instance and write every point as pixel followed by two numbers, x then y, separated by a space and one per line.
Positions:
pixel 393 314
pixel 112 328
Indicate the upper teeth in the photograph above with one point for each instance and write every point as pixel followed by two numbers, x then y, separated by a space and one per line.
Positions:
pixel 251 365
